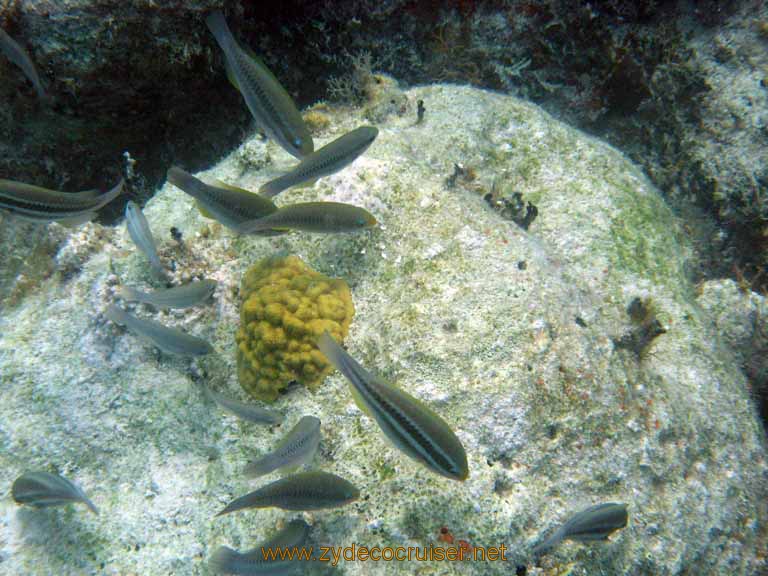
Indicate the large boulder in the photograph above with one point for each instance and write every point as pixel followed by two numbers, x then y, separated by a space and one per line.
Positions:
pixel 528 342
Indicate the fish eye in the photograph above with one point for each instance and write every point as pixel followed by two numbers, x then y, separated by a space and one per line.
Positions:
pixel 297 142
pixel 361 222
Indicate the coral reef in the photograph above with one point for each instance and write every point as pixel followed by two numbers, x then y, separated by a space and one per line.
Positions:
pixel 285 306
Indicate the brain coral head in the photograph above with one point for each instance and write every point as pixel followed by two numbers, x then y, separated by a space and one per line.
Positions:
pixel 285 306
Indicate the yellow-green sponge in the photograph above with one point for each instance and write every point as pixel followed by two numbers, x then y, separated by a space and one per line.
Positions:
pixel 285 306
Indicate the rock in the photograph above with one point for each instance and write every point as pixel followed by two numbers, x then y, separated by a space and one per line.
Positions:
pixel 508 334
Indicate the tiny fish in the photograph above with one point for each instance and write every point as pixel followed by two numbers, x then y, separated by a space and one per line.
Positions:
pixel 227 561
pixel 43 489
pixel 297 448
pixel 593 523
pixel 411 426
pixel 303 491
pixel 169 340
pixel 43 205
pixel 329 159
pixel 267 100
pixel 322 217
pixel 19 56
pixel 245 411
pixel 229 205
pixel 138 228
pixel 184 296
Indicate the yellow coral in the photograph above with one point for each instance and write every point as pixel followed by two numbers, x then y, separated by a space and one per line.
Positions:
pixel 285 306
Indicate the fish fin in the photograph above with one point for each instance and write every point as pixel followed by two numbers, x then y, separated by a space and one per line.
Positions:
pixel 204 211
pixel 85 194
pixel 87 501
pixel 272 232
pixel 220 184
pixel 73 221
pixel 231 75
pixel 359 401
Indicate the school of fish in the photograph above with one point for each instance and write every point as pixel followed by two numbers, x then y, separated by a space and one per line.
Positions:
pixel 407 422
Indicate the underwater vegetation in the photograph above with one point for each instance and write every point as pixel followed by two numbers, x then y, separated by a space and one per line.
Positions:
pixel 645 327
pixel 285 306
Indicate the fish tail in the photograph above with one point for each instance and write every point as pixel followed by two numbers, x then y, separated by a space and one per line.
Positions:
pixel 550 542
pixel 223 559
pixel 184 181
pixel 217 24
pixel 91 505
pixel 116 314
pixel 110 195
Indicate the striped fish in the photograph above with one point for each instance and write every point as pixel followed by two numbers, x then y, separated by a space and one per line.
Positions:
pixel 594 523
pixel 247 412
pixel 227 204
pixel 227 561
pixel 183 296
pixel 406 421
pixel 329 159
pixel 304 491
pixel 169 340
pixel 141 234
pixel 269 103
pixel 43 489
pixel 320 217
pixel 43 205
pixel 19 56
pixel 296 448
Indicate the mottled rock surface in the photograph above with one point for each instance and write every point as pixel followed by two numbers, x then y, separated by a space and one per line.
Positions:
pixel 508 334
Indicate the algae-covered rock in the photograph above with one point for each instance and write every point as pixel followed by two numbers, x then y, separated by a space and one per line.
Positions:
pixel 285 306
pixel 510 335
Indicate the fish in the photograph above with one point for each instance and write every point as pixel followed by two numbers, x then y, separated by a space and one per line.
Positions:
pixel 296 448
pixel 227 204
pixel 39 204
pixel 43 489
pixel 321 217
pixel 594 523
pixel 169 340
pixel 314 490
pixel 225 560
pixel 408 423
pixel 184 296
pixel 268 101
pixel 19 56
pixel 140 233
pixel 245 411
pixel 329 159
